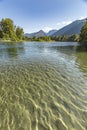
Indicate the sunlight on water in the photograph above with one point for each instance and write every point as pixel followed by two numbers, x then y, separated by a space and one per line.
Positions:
pixel 43 86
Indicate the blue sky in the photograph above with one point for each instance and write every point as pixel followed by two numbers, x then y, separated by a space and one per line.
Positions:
pixel 34 15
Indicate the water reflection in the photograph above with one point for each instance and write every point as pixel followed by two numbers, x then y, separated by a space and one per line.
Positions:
pixel 77 55
pixel 81 48
pixel 81 55
pixel 11 50
pixel 69 50
pixel 53 52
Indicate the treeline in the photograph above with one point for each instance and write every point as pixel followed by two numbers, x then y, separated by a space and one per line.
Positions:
pixel 73 38
pixel 39 39
pixel 68 38
pixel 8 31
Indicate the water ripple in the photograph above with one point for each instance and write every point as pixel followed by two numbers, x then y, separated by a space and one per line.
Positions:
pixel 46 90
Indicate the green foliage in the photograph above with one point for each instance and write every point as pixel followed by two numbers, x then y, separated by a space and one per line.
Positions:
pixel 19 33
pixel 72 38
pixel 8 30
pixel 7 27
pixel 1 34
pixel 63 38
pixel 40 39
pixel 83 34
pixel 5 36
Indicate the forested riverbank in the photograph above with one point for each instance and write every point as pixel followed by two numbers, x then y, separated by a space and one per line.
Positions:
pixel 10 32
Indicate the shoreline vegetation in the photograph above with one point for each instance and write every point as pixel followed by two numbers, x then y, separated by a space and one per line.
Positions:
pixel 63 38
pixel 4 40
pixel 9 31
pixel 12 33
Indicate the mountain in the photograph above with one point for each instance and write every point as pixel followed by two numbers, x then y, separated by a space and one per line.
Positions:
pixel 50 33
pixel 73 28
pixel 40 33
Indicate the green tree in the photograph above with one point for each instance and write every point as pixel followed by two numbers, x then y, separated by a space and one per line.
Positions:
pixel 83 34
pixel 8 28
pixel 19 33
pixel 73 38
pixel 1 34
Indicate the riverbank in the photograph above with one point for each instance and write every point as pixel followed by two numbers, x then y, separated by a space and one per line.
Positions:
pixel 3 40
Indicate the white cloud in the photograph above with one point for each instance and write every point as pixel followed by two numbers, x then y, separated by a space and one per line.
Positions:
pixel 63 23
pixel 47 29
pixel 59 25
pixel 82 17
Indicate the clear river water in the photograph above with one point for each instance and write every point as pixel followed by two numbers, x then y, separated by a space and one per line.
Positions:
pixel 43 86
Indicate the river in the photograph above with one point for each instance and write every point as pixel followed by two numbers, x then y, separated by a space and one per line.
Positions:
pixel 43 86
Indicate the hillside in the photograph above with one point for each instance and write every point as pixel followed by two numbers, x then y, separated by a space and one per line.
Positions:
pixel 51 32
pixel 40 33
pixel 73 28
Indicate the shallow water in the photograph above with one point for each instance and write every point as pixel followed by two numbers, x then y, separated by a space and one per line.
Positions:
pixel 43 86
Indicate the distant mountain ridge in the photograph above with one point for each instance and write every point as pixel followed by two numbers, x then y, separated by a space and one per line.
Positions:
pixel 51 32
pixel 73 28
pixel 40 33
